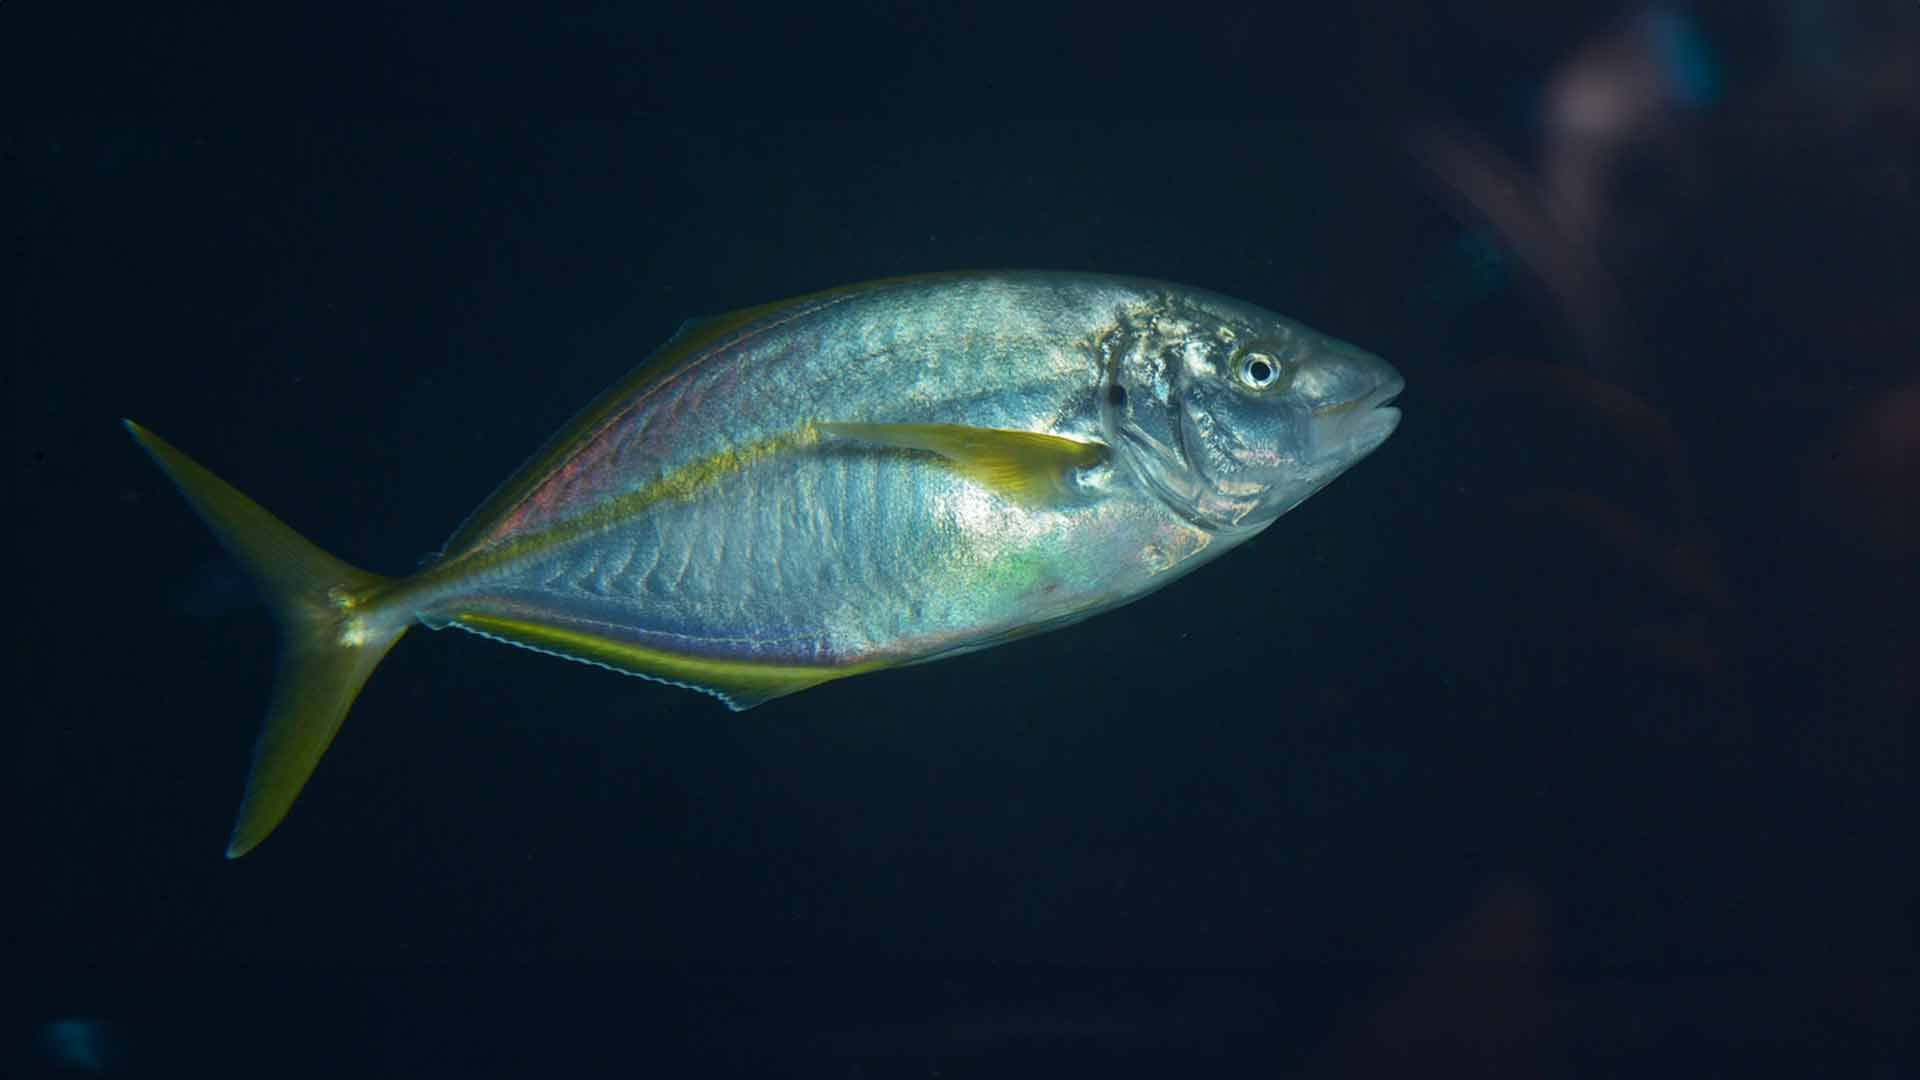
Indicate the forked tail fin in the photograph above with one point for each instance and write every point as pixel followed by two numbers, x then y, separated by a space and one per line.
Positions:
pixel 331 636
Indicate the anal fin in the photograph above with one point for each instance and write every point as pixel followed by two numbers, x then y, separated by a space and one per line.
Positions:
pixel 742 684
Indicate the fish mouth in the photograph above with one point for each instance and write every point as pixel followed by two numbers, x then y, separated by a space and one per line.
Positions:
pixel 1359 425
pixel 1379 404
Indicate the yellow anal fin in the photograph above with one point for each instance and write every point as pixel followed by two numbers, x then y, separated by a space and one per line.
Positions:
pixel 1024 466
pixel 742 684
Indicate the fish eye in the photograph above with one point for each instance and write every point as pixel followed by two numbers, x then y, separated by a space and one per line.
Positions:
pixel 1260 370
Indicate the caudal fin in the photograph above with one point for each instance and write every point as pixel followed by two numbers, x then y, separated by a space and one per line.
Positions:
pixel 331 638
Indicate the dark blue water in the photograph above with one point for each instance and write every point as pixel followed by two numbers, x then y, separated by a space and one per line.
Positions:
pixel 1570 735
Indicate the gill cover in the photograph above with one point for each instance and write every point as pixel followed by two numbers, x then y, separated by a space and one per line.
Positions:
pixel 1235 415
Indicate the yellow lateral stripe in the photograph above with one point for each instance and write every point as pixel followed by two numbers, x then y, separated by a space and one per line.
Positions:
pixel 1024 466
pixel 682 483
pixel 743 683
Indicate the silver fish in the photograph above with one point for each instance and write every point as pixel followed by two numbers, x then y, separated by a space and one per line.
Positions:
pixel 877 475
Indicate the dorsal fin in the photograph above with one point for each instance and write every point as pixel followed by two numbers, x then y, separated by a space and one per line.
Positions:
pixel 695 339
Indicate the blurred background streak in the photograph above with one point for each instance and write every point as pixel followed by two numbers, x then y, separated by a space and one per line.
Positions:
pixel 1572 735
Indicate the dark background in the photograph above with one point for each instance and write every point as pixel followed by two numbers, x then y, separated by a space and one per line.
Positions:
pixel 1572 734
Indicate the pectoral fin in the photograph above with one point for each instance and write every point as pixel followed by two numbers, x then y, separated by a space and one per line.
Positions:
pixel 1024 466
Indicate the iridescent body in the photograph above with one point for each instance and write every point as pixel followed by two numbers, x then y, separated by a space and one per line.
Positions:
pixel 877 475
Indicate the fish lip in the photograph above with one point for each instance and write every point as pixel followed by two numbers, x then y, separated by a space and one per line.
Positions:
pixel 1384 394
pixel 1375 399
pixel 1377 407
pixel 1358 426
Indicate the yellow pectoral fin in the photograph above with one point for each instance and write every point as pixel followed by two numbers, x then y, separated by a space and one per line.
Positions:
pixel 1024 466
pixel 742 684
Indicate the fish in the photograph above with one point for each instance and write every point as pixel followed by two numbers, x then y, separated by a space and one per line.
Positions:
pixel 873 476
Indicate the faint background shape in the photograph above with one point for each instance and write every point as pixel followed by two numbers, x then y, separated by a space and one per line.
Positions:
pixel 82 1046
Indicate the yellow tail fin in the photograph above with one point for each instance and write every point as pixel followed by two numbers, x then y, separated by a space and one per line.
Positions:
pixel 331 639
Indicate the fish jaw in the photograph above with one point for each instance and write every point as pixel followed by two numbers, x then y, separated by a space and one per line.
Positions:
pixel 1348 431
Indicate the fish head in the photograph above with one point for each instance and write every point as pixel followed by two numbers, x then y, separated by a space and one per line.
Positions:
pixel 1235 415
